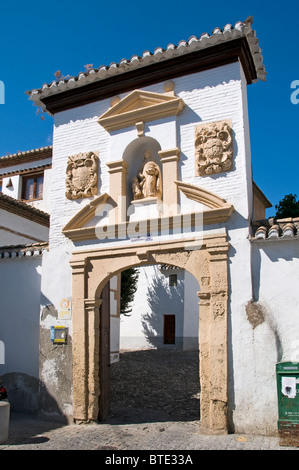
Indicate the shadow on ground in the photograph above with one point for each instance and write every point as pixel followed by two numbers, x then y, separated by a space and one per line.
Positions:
pixel 155 386
pixel 25 429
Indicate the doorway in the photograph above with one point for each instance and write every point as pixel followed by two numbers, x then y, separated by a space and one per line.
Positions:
pixel 209 265
pixel 169 329
pixel 156 373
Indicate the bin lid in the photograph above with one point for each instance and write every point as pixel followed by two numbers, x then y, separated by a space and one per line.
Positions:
pixel 287 367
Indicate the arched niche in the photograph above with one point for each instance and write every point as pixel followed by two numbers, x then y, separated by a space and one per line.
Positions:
pixel 134 156
pixel 92 270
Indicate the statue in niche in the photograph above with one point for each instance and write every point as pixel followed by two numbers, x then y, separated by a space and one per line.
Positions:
pixel 82 175
pixel 147 183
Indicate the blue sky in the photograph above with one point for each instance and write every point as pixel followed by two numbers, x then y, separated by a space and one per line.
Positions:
pixel 39 38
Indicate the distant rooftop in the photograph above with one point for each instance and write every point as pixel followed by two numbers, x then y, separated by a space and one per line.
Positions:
pixel 276 229
pixel 24 210
pixel 26 156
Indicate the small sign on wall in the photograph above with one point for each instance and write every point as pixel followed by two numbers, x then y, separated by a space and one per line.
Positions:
pixel 65 309
pixel 58 334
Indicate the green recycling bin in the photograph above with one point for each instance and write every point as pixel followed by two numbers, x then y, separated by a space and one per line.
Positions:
pixel 287 375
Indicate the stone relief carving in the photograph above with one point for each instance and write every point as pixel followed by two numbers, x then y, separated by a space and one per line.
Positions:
pixel 147 183
pixel 82 175
pixel 213 148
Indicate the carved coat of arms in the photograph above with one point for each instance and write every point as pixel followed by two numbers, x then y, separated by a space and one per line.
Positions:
pixel 82 175
pixel 213 148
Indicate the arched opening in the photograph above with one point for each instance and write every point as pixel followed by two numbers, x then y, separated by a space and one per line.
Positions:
pixel 134 156
pixel 154 348
pixel 91 271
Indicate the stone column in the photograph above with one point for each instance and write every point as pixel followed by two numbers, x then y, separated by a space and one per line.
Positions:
pixel 80 398
pixel 118 190
pixel 218 337
pixel 204 356
pixel 169 160
pixel 92 314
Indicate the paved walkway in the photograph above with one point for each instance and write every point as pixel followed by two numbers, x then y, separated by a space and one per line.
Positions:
pixel 27 433
pixel 154 407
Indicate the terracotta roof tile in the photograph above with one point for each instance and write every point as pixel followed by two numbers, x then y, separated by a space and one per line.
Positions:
pixel 20 251
pixel 24 210
pixel 276 229
pixel 26 156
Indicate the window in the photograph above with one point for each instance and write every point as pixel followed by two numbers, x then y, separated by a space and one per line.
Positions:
pixel 32 187
pixel 169 329
pixel 173 280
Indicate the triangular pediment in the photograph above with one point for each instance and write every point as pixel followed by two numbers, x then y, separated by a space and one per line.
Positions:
pixel 138 99
pixel 140 106
pixel 86 214
pixel 215 208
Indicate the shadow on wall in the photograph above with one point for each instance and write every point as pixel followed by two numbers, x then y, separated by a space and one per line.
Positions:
pixel 163 300
pixel 49 394
pixel 25 394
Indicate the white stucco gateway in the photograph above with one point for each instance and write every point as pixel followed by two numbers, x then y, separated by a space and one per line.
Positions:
pixel 151 168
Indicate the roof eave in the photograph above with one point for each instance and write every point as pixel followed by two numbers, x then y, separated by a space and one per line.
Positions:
pixel 239 43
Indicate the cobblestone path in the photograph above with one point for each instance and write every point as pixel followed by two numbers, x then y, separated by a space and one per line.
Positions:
pixel 154 407
pixel 155 385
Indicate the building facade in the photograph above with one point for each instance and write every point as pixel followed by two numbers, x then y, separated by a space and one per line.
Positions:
pixel 151 168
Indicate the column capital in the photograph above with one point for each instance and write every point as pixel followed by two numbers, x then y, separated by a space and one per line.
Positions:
pixel 78 265
pixel 169 155
pixel 204 298
pixel 91 304
pixel 218 252
pixel 117 166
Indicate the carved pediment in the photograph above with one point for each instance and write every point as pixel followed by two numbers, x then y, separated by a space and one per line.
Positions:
pixel 218 210
pixel 83 226
pixel 140 106
pixel 86 214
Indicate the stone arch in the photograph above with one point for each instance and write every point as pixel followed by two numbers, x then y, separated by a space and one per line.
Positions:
pixel 92 269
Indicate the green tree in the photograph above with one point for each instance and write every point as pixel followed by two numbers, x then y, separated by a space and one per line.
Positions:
pixel 287 207
pixel 129 279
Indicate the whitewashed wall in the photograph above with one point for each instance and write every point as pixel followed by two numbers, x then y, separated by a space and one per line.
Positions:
pixel 275 267
pixel 19 330
pixel 15 230
pixel 154 298
pixel 20 307
pixel 209 96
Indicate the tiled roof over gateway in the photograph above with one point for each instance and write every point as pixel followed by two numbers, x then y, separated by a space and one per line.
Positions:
pixel 241 30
